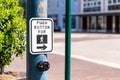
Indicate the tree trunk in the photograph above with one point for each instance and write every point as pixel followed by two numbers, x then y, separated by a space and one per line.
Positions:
pixel 2 70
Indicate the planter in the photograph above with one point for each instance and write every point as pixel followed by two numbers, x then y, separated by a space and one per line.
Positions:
pixel 13 76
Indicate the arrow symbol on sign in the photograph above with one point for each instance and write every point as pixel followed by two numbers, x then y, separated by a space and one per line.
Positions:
pixel 42 47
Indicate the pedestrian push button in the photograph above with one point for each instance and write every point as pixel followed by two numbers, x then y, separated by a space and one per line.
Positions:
pixel 43 66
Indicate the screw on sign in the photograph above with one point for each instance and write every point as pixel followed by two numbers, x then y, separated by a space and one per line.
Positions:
pixel 41 10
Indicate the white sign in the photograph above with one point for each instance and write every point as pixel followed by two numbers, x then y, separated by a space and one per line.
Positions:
pixel 41 35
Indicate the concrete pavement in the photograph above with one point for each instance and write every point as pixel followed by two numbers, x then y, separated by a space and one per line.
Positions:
pixel 80 70
pixel 94 57
pixel 98 48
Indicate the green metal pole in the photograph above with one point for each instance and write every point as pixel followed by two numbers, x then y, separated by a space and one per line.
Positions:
pixel 68 40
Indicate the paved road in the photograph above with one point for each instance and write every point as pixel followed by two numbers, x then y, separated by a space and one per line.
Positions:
pixel 94 57
pixel 98 48
pixel 81 70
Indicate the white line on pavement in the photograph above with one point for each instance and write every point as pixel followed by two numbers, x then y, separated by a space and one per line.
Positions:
pixel 105 63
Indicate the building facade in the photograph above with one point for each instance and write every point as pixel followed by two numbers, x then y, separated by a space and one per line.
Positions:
pixel 88 15
pixel 56 10
pixel 99 16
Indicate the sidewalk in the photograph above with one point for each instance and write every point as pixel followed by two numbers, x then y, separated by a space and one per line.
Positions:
pixel 80 70
pixel 97 48
pixel 94 57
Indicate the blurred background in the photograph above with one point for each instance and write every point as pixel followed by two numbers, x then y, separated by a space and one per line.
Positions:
pixel 95 40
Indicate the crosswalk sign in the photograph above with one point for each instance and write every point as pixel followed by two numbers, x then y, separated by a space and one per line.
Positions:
pixel 41 35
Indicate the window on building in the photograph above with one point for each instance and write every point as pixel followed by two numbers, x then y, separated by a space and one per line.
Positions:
pixel 99 3
pixel 84 5
pixel 48 3
pixel 91 4
pixel 109 1
pixel 73 22
pixel 93 23
pixel 114 1
pixel 99 22
pixel 92 9
pixel 88 4
pixel 63 2
pixel 95 3
pixel 57 3
pixel 114 7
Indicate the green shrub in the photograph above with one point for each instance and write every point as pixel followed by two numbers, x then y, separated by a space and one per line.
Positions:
pixel 12 31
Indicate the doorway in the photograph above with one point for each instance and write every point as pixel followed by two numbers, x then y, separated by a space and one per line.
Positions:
pixel 117 20
pixel 109 23
pixel 84 23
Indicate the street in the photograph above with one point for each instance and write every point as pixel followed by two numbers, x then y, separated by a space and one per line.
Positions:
pixel 95 56
pixel 99 48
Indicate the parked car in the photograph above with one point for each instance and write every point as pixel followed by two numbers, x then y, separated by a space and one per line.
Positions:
pixel 57 28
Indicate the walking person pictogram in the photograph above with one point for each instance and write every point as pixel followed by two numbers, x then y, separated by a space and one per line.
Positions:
pixel 41 39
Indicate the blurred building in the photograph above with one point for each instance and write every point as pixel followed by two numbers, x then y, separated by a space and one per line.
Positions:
pixel 99 15
pixel 88 15
pixel 56 10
